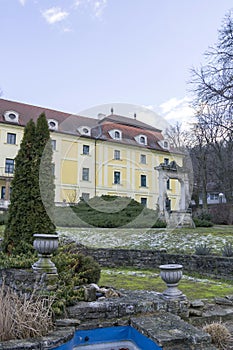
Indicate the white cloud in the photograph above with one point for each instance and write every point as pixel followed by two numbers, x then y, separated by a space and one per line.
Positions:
pixel 54 14
pixel 98 7
pixel 150 107
pixel 77 3
pixel 67 30
pixel 177 110
pixel 22 2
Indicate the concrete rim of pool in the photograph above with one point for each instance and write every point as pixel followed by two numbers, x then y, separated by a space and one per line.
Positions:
pixel 109 338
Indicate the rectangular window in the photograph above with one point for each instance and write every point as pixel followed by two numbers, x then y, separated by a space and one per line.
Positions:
pixel 85 175
pixel 3 192
pixel 11 138
pixel 214 196
pixel 54 145
pixel 53 169
pixel 117 177
pixel 144 201
pixel 86 149
pixel 143 180
pixel 168 184
pixel 9 166
pixel 117 154
pixel 143 158
pixel 166 161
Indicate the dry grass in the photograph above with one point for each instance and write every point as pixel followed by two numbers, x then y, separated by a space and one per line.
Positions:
pixel 23 317
pixel 221 337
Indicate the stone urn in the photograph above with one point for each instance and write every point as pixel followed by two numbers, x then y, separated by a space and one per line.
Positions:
pixel 45 245
pixel 171 275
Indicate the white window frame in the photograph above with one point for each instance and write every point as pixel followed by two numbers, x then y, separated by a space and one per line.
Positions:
pixel 117 154
pixel 113 132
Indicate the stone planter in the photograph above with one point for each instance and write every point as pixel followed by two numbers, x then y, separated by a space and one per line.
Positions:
pixel 45 245
pixel 171 275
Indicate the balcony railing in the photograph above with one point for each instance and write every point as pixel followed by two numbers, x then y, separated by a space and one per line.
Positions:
pixel 4 204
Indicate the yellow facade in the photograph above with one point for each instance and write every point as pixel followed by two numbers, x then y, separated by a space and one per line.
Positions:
pixel 86 167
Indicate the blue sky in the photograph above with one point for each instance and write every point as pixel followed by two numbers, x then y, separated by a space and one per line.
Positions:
pixel 72 55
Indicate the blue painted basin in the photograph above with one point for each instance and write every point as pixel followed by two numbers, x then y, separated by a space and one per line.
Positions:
pixel 109 338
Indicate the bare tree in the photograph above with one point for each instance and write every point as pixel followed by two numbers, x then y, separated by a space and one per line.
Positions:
pixel 213 88
pixel 214 80
pixel 177 136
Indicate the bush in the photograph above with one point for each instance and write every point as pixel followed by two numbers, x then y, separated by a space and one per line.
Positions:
pixel 202 223
pixel 107 211
pixel 202 249
pixel 23 317
pixel 227 250
pixel 222 214
pixel 204 215
pixel 3 218
pixel 160 224
pixel 219 334
pixel 202 218
pixel 74 269
pixel 20 261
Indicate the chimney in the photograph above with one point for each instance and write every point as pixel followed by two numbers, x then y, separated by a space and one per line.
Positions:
pixel 101 116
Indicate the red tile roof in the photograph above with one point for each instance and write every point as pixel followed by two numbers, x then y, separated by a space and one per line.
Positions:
pixel 130 132
pixel 127 121
pixel 27 112
pixel 69 123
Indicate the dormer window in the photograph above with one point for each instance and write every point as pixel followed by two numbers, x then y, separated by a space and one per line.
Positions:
pixel 164 144
pixel 11 116
pixel 115 134
pixel 142 139
pixel 84 130
pixel 53 124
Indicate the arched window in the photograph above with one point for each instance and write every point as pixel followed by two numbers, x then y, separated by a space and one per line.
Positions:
pixel 117 135
pixel 142 140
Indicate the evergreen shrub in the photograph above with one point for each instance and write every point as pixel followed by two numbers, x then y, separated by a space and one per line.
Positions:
pixel 202 223
pixel 74 270
pixel 109 212
pixel 202 218
pixel 3 218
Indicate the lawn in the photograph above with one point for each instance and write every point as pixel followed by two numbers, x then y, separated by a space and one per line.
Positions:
pixel 178 240
pixel 175 241
pixel 192 287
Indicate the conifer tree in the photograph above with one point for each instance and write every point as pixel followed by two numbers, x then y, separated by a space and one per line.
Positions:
pixel 32 197
pixel 44 191
pixel 18 234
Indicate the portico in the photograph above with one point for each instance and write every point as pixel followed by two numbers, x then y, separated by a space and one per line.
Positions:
pixel 180 215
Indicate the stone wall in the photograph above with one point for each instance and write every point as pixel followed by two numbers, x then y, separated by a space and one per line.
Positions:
pixel 26 281
pixel 207 264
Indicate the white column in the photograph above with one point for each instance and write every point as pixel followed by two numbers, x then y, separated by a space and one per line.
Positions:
pixel 161 190
pixel 182 195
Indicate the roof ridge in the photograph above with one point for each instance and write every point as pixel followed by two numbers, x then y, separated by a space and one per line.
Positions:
pixel 46 108
pixel 133 122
